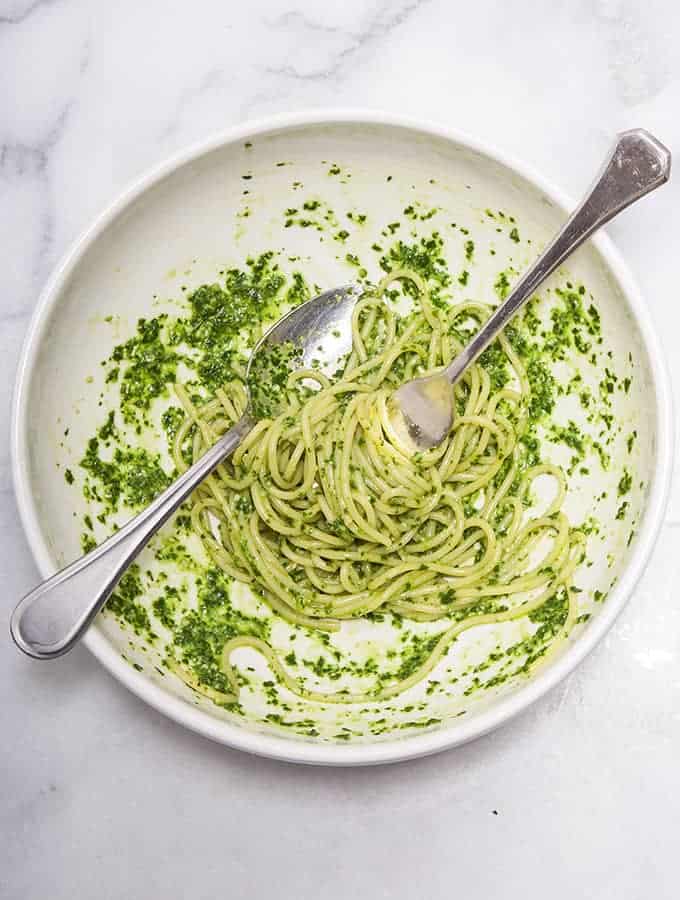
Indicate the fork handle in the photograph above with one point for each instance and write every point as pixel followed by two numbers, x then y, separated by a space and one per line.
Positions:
pixel 47 622
pixel 638 164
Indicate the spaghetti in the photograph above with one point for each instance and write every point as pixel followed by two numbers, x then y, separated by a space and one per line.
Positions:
pixel 327 514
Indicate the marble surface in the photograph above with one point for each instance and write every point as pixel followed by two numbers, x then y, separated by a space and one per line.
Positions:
pixel 101 796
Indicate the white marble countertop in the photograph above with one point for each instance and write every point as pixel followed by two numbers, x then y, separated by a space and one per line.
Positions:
pixel 102 797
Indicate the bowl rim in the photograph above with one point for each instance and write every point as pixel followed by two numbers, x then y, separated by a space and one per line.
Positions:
pixel 398 748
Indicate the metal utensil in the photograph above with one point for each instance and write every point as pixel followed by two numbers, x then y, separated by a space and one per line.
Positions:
pixel 54 616
pixel 638 164
pixel 48 621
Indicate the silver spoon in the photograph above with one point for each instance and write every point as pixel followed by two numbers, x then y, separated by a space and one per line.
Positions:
pixel 48 621
pixel 53 617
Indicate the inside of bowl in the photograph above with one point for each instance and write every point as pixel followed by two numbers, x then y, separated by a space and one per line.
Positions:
pixel 235 202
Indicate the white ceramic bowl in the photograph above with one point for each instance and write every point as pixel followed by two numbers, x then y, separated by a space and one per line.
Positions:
pixel 184 211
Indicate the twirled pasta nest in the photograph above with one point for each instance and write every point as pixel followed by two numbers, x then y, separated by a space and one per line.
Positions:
pixel 326 512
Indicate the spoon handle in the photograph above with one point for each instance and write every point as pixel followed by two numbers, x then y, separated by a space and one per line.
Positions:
pixel 52 618
pixel 638 164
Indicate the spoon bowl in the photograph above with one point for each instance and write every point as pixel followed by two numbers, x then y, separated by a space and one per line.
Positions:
pixel 316 334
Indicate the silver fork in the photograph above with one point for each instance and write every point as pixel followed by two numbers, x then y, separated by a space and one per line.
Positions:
pixel 638 164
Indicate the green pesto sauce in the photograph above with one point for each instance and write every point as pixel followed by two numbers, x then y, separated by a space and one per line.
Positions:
pixel 209 339
pixel 125 605
pixel 132 476
pixel 200 634
pixel 150 366
pixel 269 376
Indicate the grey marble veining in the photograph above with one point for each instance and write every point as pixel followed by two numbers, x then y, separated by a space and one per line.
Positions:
pixel 101 796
